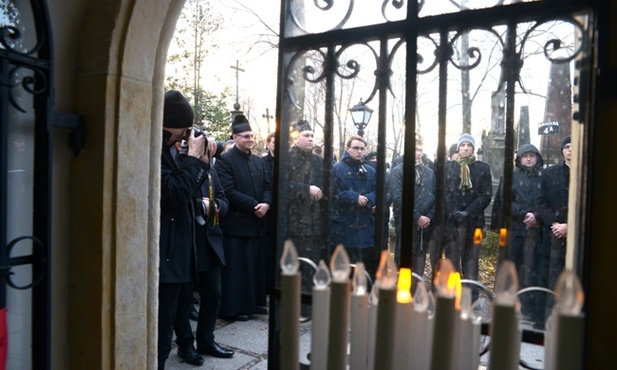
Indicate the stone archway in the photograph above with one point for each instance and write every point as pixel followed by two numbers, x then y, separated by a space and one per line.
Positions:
pixel 122 50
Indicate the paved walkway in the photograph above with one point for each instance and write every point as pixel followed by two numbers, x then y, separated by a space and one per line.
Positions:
pixel 248 339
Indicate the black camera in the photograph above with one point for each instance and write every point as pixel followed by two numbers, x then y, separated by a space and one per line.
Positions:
pixel 197 133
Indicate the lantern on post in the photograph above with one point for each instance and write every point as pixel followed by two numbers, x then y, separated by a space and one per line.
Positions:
pixel 361 115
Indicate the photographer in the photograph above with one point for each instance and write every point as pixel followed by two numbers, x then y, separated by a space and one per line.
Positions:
pixel 179 183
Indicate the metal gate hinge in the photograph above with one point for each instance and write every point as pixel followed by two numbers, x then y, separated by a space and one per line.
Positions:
pixel 75 123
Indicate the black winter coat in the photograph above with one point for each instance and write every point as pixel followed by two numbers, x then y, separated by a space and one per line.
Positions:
pixel 209 237
pixel 303 213
pixel 424 193
pixel 552 203
pixel 179 184
pixel 245 181
pixel 475 200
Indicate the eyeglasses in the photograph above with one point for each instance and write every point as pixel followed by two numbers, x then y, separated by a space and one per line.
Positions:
pixel 360 148
pixel 246 136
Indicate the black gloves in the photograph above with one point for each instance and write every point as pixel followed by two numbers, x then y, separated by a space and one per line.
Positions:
pixel 461 215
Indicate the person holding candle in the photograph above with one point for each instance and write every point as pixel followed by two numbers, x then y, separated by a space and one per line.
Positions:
pixel 248 189
pixel 353 222
pixel 468 192
pixel 424 208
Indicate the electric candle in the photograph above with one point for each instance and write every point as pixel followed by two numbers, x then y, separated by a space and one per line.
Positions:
pixel 455 281
pixel 339 309
pixel 404 308
pixel 290 307
pixel 566 332
pixel 469 333
pixel 320 316
pixel 421 330
pixel 443 341
pixel 505 332
pixel 373 300
pixel 386 313
pixel 359 316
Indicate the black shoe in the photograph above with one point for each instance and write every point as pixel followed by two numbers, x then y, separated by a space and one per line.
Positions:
pixel 261 311
pixel 213 349
pixel 190 356
pixel 242 317
pixel 194 314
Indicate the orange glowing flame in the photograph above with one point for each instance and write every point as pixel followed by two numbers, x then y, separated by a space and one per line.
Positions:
pixel 477 236
pixel 503 235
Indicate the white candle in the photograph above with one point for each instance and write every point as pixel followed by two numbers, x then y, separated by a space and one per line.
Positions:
pixel 372 325
pixel 458 335
pixel 421 330
pixel 320 316
pixel 467 349
pixel 403 329
pixel 443 341
pixel 339 310
pixel 567 327
pixel 359 320
pixel 290 308
pixel 505 332
pixel 386 312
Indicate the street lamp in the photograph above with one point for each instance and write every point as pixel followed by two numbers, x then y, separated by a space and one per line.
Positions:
pixel 360 115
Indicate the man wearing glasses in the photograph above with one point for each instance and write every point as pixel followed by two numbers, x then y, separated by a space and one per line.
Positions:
pixel 248 189
pixel 353 221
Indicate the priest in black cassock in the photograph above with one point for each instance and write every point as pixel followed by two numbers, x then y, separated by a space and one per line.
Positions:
pixel 247 186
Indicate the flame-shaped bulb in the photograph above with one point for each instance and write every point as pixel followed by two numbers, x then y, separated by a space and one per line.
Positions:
pixel 360 286
pixel 477 236
pixel 569 296
pixel 339 265
pixel 403 293
pixel 373 298
pixel 506 284
pixel 454 283
pixel 421 299
pixel 386 272
pixel 441 278
pixel 321 278
pixel 289 259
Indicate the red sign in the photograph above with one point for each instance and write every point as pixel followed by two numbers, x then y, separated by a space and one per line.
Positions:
pixel 4 339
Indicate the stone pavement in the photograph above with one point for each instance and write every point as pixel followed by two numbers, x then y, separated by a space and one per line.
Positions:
pixel 249 339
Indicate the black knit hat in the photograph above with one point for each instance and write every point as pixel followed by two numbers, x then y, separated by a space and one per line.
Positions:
pixel 301 125
pixel 240 124
pixel 564 141
pixel 177 112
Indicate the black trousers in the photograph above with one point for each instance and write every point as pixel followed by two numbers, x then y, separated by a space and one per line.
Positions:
pixel 209 288
pixel 168 303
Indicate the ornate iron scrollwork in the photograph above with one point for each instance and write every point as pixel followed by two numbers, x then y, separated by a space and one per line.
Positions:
pixel 35 259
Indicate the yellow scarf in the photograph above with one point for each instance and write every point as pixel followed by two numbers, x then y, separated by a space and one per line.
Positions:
pixel 465 175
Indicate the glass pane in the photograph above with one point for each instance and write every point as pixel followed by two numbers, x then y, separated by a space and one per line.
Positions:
pixel 309 16
pixel 428 8
pixel 493 109
pixel 18 34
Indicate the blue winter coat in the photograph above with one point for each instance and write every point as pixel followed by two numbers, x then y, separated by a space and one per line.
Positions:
pixel 352 225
